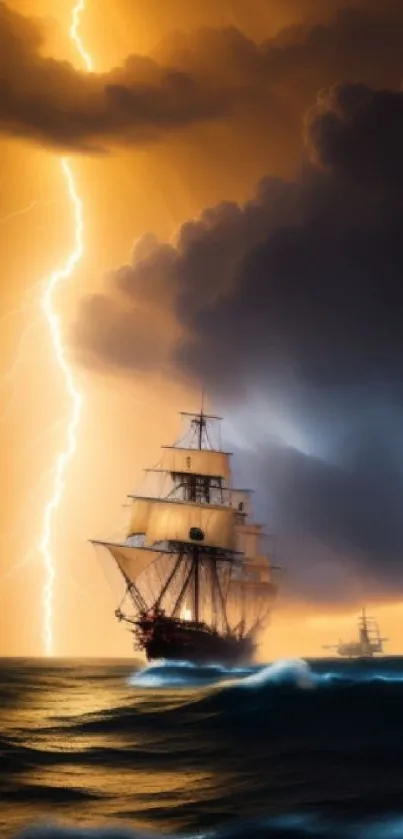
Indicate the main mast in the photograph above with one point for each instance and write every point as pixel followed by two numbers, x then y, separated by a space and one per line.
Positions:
pixel 198 488
pixel 199 422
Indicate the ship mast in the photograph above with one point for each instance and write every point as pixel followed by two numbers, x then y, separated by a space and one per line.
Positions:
pixel 200 421
pixel 363 631
pixel 183 551
pixel 199 487
pixel 193 528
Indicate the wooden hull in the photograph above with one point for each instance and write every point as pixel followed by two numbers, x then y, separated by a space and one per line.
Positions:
pixel 196 643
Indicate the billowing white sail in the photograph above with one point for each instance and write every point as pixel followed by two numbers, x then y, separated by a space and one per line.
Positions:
pixel 212 464
pixel 248 538
pixel 163 520
pixel 175 522
pixel 139 515
pixel 132 561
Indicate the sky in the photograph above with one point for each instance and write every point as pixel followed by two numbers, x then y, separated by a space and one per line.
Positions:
pixel 239 166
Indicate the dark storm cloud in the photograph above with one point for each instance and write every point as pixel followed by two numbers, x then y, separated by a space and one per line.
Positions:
pixel 300 288
pixel 138 328
pixel 352 506
pixel 206 75
pixel 51 102
pixel 321 293
pixel 306 275
pixel 338 523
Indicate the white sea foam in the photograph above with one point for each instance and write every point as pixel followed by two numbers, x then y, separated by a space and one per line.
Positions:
pixel 295 826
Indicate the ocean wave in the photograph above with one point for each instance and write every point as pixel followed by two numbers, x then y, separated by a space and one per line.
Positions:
pixel 225 717
pixel 162 674
pixel 298 673
pixel 271 699
pixel 299 826
pixel 295 673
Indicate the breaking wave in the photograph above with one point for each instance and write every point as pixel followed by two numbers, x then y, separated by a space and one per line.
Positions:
pixel 164 674
pixel 292 749
pixel 284 827
pixel 297 673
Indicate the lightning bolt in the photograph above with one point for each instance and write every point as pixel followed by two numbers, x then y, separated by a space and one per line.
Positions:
pixel 17 213
pixel 77 11
pixel 54 324
pixel 23 211
pixel 53 320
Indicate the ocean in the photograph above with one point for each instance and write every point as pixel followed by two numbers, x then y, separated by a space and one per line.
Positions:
pixel 106 750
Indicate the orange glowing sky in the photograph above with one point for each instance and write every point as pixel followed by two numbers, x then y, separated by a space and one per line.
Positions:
pixel 125 419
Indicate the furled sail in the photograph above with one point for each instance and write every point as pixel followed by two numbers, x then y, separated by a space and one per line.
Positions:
pixel 211 464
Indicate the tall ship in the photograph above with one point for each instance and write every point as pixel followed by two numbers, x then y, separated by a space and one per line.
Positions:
pixel 368 644
pixel 198 583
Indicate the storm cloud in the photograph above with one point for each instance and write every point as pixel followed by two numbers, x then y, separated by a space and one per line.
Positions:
pixel 209 75
pixel 295 299
pixel 49 101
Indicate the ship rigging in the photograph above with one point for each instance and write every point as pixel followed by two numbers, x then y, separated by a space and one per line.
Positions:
pixel 199 584
pixel 369 643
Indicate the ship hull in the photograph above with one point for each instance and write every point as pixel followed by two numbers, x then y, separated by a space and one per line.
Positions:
pixel 178 642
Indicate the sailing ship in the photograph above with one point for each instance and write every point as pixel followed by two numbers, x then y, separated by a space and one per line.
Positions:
pixel 369 641
pixel 199 585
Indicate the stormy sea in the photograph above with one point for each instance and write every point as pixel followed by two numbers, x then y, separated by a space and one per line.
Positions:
pixel 107 750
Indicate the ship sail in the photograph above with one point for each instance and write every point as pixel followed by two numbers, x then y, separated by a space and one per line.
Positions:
pixel 249 535
pixel 192 558
pixel 132 561
pixel 163 520
pixel 139 515
pixel 210 464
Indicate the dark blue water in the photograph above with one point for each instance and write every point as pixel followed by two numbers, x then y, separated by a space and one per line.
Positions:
pixel 100 750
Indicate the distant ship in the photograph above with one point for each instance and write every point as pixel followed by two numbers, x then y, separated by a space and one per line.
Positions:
pixel 369 641
pixel 198 586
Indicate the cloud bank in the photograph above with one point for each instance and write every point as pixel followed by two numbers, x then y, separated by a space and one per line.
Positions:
pixel 295 295
pixel 213 75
